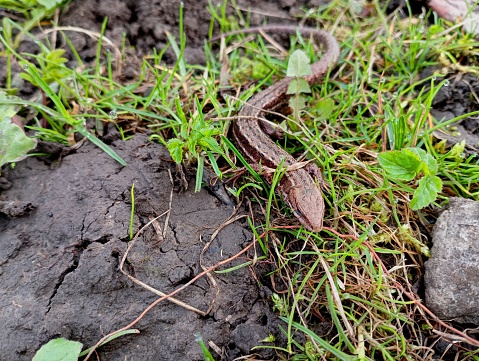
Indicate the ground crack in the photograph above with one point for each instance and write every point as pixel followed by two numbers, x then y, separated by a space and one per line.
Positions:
pixel 77 251
pixel 76 259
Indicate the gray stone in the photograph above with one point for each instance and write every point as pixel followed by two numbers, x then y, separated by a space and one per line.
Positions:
pixel 452 272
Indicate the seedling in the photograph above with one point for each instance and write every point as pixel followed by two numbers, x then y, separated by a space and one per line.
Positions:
pixel 405 165
pixel 196 136
pixel 298 68
pixel 207 356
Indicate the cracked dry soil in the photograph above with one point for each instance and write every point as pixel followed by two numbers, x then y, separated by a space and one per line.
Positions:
pixel 60 262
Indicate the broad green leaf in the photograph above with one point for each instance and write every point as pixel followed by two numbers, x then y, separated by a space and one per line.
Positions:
pixel 14 144
pixel 400 164
pixel 323 109
pixel 175 147
pixel 426 193
pixel 421 153
pixel 6 109
pixel 59 349
pixel 298 64
pixel 297 103
pixel 431 164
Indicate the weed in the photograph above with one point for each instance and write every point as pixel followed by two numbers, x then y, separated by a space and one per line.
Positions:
pixel 406 165
pixel 298 67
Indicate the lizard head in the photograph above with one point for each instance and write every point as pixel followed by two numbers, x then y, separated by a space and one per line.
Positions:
pixel 308 206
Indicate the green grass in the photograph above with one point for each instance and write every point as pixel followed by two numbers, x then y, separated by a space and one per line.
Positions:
pixel 346 276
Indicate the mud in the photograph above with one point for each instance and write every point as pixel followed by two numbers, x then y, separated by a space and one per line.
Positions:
pixel 59 262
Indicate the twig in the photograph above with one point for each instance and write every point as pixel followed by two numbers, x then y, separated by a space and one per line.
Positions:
pixel 144 285
pixel 93 34
pixel 168 296
pixel 228 221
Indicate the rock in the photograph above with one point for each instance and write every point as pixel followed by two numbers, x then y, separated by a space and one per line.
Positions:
pixel 465 10
pixel 452 272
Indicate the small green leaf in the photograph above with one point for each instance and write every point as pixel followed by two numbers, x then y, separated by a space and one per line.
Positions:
pixel 210 144
pixel 207 356
pixel 28 78
pixel 457 151
pixel 199 173
pixel 323 109
pixel 180 112
pixel 426 193
pixel 214 164
pixel 403 164
pixel 14 144
pixel 104 147
pixel 175 147
pixel 59 349
pixel 50 4
pixel 298 85
pixel 298 64
pixel 430 165
pixel 111 338
pixel 435 29
pixel 406 236
pixel 192 142
pixel 56 57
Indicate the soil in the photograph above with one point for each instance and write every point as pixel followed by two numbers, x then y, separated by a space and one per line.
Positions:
pixel 60 260
pixel 64 224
